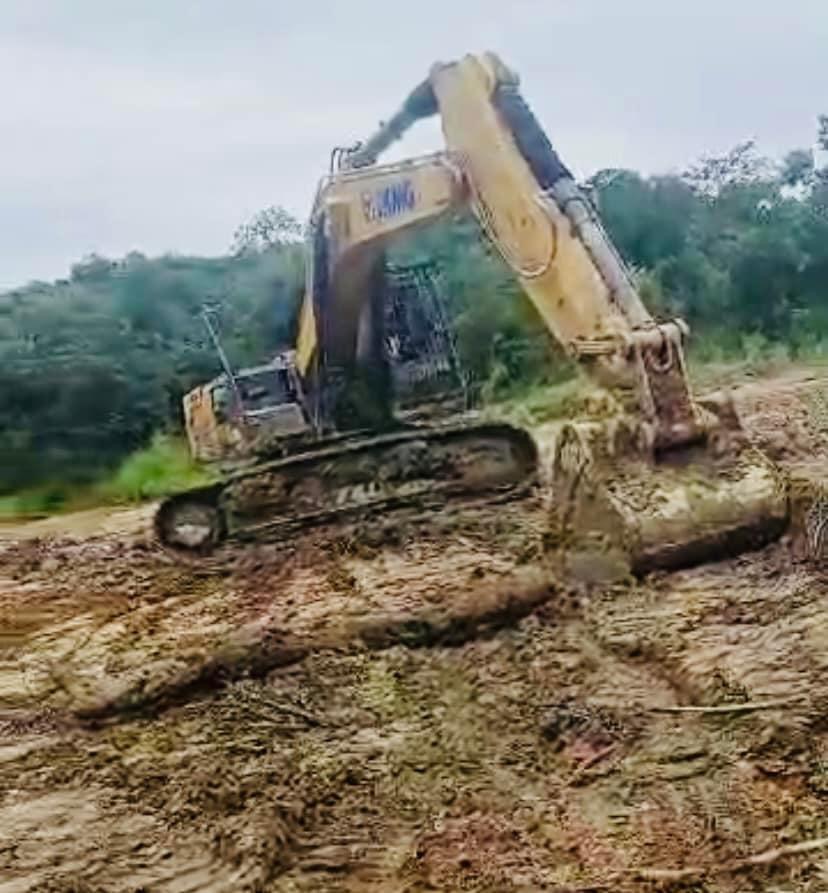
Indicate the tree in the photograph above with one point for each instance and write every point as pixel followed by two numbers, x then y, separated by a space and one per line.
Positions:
pixel 91 367
pixel 270 228
pixel 742 164
pixel 797 169
pixel 649 218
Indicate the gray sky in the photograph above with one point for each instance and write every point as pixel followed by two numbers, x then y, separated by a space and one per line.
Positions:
pixel 159 125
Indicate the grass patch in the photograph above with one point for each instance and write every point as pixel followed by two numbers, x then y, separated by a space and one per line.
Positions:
pixel 159 469
pixel 711 364
pixel 536 404
pixel 162 468
pixel 38 502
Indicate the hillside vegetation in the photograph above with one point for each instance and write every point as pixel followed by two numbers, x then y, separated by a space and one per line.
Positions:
pixel 94 366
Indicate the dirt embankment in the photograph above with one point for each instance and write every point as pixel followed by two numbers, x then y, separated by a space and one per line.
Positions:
pixel 410 708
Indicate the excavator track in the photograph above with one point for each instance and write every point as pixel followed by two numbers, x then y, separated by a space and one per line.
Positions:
pixel 429 466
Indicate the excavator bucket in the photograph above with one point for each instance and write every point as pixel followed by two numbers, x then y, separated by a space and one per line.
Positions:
pixel 619 507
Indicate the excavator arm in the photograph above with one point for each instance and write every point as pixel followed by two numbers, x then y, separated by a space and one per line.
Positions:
pixel 614 492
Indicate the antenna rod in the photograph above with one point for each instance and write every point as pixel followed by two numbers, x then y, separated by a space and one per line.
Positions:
pixel 225 363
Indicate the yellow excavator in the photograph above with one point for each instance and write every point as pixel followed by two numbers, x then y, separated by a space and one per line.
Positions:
pixel 655 478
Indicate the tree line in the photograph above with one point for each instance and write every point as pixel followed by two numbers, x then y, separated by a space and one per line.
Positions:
pixel 92 365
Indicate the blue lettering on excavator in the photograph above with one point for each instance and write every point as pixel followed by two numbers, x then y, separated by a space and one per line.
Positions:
pixel 389 201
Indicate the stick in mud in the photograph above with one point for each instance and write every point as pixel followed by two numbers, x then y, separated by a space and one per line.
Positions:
pixel 745 707
pixel 765 858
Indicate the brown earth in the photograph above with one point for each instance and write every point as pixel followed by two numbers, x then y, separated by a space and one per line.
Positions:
pixel 412 707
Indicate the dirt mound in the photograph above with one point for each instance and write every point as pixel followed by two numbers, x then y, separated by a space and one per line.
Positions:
pixel 788 419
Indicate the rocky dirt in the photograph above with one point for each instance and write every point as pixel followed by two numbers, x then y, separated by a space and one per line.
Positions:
pixel 410 706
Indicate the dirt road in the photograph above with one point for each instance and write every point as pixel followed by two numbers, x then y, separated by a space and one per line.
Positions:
pixel 412 708
pixel 88 524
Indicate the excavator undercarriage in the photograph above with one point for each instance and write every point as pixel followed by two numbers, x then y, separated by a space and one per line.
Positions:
pixel 340 480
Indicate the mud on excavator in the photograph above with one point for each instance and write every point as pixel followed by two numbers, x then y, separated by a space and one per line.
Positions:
pixel 656 479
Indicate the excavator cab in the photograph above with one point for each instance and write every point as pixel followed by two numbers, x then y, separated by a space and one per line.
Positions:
pixel 427 375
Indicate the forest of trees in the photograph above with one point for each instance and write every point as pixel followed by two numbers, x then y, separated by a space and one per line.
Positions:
pixel 91 366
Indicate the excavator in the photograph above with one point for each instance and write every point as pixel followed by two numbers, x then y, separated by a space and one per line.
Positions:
pixel 650 475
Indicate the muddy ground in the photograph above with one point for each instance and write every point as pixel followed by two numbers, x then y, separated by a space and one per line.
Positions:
pixel 414 707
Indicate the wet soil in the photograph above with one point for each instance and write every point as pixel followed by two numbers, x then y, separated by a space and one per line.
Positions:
pixel 415 706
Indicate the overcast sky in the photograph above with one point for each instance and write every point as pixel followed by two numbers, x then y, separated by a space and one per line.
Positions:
pixel 160 125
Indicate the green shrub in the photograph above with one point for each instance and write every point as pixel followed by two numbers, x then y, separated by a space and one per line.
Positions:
pixel 159 469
